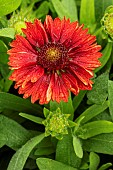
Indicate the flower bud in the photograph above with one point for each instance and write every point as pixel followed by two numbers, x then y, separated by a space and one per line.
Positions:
pixel 107 21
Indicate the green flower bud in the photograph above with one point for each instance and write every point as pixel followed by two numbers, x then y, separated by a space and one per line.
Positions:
pixel 17 21
pixel 56 124
pixel 107 21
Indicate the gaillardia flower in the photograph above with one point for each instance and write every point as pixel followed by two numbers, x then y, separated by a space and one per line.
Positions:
pixel 52 59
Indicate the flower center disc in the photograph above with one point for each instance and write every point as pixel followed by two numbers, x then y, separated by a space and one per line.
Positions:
pixel 53 56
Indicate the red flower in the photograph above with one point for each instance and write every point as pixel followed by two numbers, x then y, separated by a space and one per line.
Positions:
pixel 53 59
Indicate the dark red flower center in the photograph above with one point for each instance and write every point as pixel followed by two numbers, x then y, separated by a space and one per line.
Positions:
pixel 53 56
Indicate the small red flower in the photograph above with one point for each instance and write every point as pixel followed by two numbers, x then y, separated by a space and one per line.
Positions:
pixel 53 59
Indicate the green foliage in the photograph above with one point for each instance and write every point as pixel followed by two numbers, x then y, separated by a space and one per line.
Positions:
pixel 65 152
pixel 9 101
pixel 12 134
pixel 64 9
pixel 87 117
pixel 49 164
pixel 8 6
pixel 99 93
pixel 19 158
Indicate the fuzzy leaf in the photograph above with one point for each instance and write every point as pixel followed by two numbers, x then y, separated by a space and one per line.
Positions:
pixel 19 158
pixel 99 93
pixel 49 164
pixel 14 135
pixel 102 143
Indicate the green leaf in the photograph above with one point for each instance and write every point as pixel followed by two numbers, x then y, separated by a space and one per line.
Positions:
pixel 65 107
pixel 32 118
pixel 87 12
pixel 106 52
pixel 95 128
pixel 92 111
pixel 101 144
pixel 10 101
pixel 3 53
pixel 99 93
pixel 42 9
pixel 19 158
pixel 7 83
pixel 65 152
pixel 105 166
pixel 77 99
pixel 62 11
pixel 13 134
pixel 70 6
pixel 77 147
pixel 110 97
pixel 8 6
pixel 94 161
pixel 7 32
pixel 49 164
pixel 2 140
pixel 44 151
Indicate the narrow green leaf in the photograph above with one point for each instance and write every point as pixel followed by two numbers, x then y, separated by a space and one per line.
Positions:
pixel 87 12
pixel 77 99
pixel 95 128
pixel 77 147
pixel 105 56
pixel 94 161
pixel 105 166
pixel 19 158
pixel 10 101
pixel 110 97
pixel 61 10
pixel 49 164
pixel 32 118
pixel 65 152
pixel 44 151
pixel 3 53
pixel 42 9
pixel 70 6
pixel 8 6
pixel 13 133
pixel 7 32
pixel 102 143
pixel 92 111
